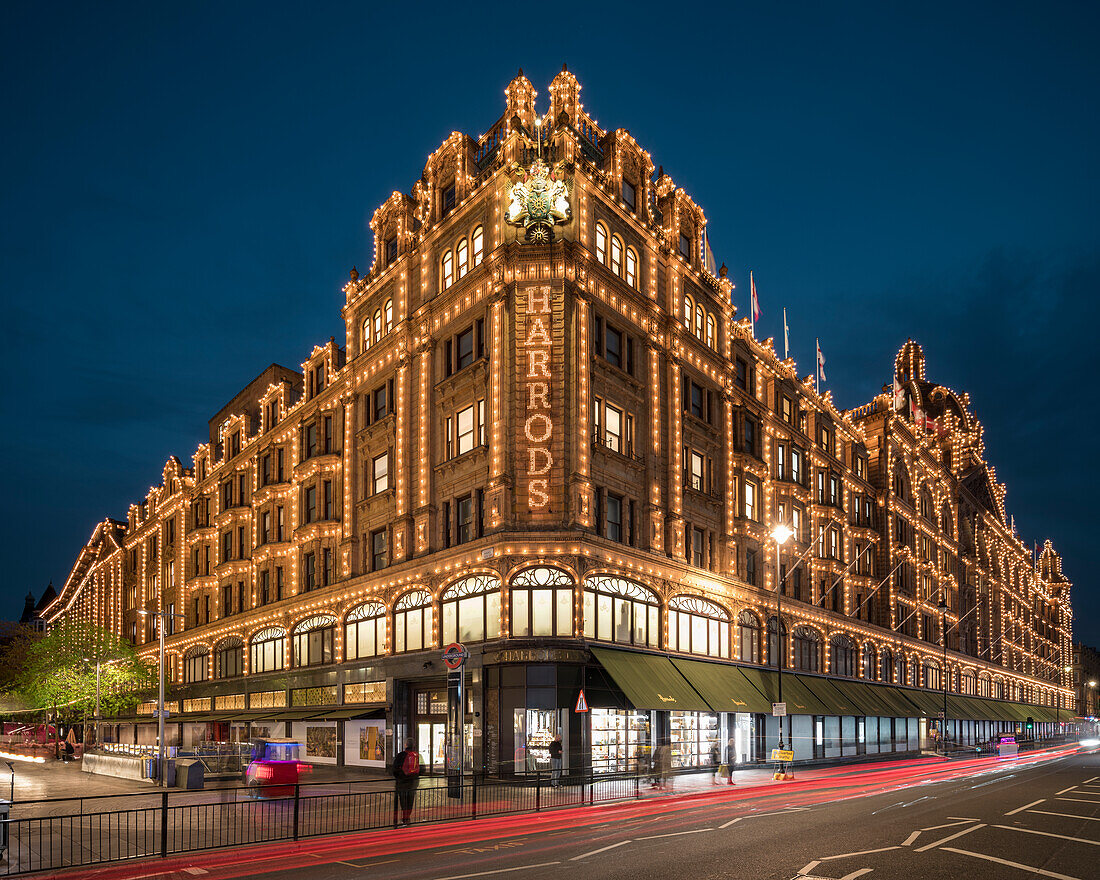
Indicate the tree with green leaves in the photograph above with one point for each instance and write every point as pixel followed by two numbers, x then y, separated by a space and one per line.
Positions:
pixel 59 670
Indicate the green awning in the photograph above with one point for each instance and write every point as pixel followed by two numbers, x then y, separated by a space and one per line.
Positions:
pixel 347 713
pixel 723 686
pixel 800 699
pixel 837 700
pixel 894 700
pixel 928 703
pixel 650 681
pixel 861 696
pixel 997 710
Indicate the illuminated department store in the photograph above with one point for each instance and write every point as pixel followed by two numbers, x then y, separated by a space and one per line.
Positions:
pixel 548 433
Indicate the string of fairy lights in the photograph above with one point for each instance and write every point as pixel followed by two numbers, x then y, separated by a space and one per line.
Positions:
pixel 415 227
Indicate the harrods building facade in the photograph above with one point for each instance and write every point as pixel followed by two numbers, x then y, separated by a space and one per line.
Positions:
pixel 547 434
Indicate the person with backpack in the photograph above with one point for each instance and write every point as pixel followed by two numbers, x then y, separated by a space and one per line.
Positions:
pixel 406 770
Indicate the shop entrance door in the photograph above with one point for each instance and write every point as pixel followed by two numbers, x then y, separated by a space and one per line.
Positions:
pixel 430 737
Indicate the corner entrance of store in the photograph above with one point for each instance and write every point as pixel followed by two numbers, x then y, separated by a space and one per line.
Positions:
pixel 430 726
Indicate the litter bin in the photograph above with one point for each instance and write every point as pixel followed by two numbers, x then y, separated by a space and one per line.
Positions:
pixel 150 768
pixel 5 813
pixel 190 774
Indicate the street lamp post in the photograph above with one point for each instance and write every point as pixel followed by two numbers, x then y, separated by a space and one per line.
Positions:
pixel 943 673
pixel 781 534
pixel 97 665
pixel 162 616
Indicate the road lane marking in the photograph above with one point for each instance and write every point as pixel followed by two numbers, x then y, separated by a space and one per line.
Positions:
pixel 929 846
pixel 762 815
pixel 1066 815
pixel 910 838
pixel 965 852
pixel 862 852
pixel 675 834
pixel 950 824
pixel 1064 790
pixel 807 868
pixel 1077 800
pixel 368 865
pixel 1048 834
pixel 963 819
pixel 1094 778
pixel 1024 807
pixel 596 852
pixel 855 874
pixel 498 871
pixel 731 822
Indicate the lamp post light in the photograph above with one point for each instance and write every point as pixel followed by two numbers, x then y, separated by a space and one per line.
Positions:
pixel 97 666
pixel 161 616
pixel 780 534
pixel 943 673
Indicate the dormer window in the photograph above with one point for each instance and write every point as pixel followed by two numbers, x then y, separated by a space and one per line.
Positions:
pixel 448 199
pixel 629 198
pixel 685 247
pixel 391 250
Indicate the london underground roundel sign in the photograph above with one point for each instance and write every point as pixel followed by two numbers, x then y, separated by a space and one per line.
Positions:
pixel 454 655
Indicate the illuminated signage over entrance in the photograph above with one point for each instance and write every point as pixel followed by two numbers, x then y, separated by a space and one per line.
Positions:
pixel 538 423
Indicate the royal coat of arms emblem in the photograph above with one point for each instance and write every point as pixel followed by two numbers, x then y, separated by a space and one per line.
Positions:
pixel 538 201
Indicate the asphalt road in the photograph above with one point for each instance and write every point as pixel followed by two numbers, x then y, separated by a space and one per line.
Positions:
pixel 998 820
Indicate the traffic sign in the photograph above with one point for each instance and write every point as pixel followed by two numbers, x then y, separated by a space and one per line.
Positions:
pixel 582 703
pixel 454 655
pixel 779 710
pixel 782 756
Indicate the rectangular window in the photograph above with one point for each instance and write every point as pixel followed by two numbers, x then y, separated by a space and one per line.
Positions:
pixel 465 435
pixel 750 495
pixel 391 250
pixel 697 544
pixel 379 550
pixel 613 347
pixel 834 490
pixel 280 465
pixel 796 465
pixel 327 444
pixel 464 519
pixel 697 401
pixel 278 582
pixel 279 524
pixel 242 544
pixel 781 461
pixel 227 546
pixel 328 573
pixel 750 436
pixel 481 423
pixel 786 409
pixel 309 504
pixel 448 199
pixel 242 601
pixel 327 498
pixel 685 247
pixel 750 566
pixel 265 469
pixel 309 441
pixel 613 428
pixel 741 373
pixel 464 349
pixel 227 600
pixel 227 495
pixel 614 517
pixel 380 472
pixel 629 195
pixel 309 572
pixel 381 404
pixel 698 472
pixel 242 489
pixel 265 587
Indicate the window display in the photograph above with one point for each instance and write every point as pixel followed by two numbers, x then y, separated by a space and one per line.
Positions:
pixel 693 736
pixel 621 741
pixel 534 731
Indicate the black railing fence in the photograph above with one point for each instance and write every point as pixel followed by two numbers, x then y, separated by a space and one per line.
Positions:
pixel 74 832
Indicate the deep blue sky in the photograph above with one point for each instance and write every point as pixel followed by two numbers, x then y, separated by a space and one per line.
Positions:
pixel 184 193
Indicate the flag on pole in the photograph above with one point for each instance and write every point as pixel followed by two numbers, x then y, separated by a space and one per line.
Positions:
pixel 786 336
pixel 820 362
pixel 708 255
pixel 755 302
pixel 899 395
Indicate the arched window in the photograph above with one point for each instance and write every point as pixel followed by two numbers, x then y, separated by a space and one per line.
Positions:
pixel 842 656
pixel 313 639
pixel 900 670
pixel 748 636
pixel 868 664
pixel 447 275
pixel 195 663
pixel 947 522
pixel 377 324
pixel 229 658
pixel 710 330
pixel 931 676
pixel 696 626
pixel 470 610
pixel 618 610
pixel 601 243
pixel 886 665
pixel 412 622
pixel 388 308
pixel 631 267
pixel 998 690
pixel 267 652
pixel 969 684
pixel 366 334
pixel 699 321
pixel 901 483
pixel 616 255
pixel 914 672
pixel 774 643
pixel 478 239
pixel 926 503
pixel 463 254
pixel 365 631
pixel 542 603
pixel 807 649
pixel 984 689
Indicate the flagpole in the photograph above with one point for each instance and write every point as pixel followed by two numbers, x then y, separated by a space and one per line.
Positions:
pixel 786 341
pixel 817 366
pixel 752 304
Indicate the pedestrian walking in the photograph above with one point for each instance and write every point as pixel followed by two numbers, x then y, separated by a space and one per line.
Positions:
pixel 715 761
pixel 406 770
pixel 662 765
pixel 731 759
pixel 555 761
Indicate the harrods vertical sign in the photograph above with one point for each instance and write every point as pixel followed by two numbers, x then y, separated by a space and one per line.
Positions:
pixel 540 392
